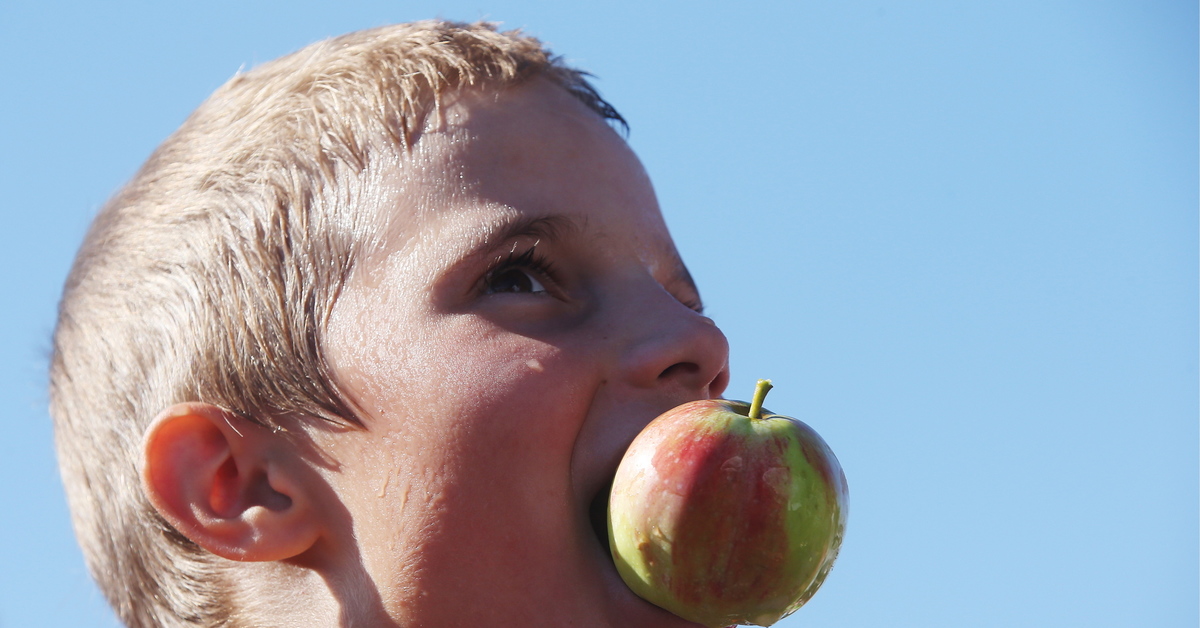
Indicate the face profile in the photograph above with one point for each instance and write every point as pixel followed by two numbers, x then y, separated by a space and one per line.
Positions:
pixel 530 317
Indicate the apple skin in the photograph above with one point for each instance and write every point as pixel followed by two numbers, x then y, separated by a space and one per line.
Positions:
pixel 723 519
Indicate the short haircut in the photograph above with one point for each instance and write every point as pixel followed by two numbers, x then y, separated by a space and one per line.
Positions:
pixel 211 275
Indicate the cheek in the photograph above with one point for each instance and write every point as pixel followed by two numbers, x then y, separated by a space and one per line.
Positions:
pixel 486 433
pixel 511 398
pixel 478 404
pixel 498 429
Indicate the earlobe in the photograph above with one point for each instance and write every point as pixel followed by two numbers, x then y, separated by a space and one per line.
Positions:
pixel 228 484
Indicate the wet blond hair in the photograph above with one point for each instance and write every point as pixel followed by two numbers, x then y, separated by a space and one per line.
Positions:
pixel 211 275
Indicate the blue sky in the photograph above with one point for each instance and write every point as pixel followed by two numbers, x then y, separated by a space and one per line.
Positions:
pixel 960 237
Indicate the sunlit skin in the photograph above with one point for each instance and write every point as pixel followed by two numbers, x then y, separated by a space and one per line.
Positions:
pixel 526 318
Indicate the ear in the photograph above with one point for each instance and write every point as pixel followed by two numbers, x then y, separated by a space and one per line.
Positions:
pixel 230 485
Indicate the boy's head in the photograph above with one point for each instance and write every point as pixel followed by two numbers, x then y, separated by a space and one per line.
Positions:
pixel 364 341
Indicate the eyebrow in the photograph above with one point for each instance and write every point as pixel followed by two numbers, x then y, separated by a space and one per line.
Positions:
pixel 548 227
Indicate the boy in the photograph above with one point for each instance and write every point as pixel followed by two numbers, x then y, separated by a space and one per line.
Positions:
pixel 363 343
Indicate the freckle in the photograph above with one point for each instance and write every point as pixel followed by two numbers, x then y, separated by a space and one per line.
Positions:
pixel 534 365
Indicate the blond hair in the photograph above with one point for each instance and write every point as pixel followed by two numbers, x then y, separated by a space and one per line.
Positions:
pixel 211 275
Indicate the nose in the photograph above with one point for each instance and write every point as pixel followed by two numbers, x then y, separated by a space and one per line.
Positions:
pixel 674 347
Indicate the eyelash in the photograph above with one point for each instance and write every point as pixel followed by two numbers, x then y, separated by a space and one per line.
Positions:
pixel 530 259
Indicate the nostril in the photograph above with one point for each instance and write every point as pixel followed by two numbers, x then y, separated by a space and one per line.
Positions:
pixel 680 369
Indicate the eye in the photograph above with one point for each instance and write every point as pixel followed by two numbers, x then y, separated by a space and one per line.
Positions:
pixel 521 274
pixel 512 279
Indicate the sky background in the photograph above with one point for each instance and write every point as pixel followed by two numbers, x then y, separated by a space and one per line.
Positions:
pixel 961 237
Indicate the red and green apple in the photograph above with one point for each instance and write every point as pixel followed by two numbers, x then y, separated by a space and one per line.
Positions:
pixel 724 513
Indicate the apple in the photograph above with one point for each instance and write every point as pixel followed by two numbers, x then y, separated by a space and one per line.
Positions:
pixel 724 513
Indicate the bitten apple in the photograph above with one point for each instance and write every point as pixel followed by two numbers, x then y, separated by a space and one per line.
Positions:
pixel 724 513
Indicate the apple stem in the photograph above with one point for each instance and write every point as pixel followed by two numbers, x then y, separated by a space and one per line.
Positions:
pixel 760 393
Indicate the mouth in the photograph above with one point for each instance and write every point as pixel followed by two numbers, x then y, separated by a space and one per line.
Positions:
pixel 622 606
pixel 598 515
pixel 646 614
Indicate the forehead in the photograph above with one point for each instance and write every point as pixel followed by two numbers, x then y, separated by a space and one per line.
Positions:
pixel 492 157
